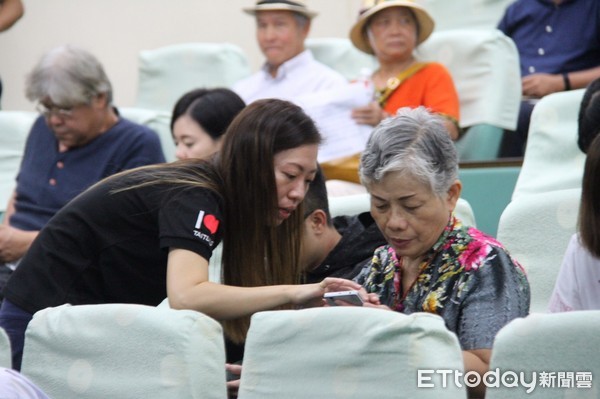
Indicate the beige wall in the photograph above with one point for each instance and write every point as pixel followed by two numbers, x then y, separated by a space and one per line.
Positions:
pixel 116 30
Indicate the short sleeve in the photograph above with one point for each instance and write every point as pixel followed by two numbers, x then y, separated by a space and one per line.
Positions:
pixel 496 293
pixel 191 219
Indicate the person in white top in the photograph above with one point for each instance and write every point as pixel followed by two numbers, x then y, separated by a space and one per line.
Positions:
pixel 16 385
pixel 578 283
pixel 290 70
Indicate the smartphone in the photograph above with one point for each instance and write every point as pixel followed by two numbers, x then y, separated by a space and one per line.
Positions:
pixel 352 297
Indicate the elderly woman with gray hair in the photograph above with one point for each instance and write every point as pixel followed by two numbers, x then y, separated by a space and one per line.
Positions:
pixel 432 263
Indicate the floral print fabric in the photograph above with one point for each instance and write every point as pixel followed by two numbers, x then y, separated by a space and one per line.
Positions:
pixel 467 278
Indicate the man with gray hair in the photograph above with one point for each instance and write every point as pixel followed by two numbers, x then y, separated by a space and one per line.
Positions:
pixel 78 140
pixel 290 70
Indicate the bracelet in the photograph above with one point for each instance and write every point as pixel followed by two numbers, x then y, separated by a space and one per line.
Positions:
pixel 567 81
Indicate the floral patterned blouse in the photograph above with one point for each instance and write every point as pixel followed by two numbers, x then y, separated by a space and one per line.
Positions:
pixel 467 278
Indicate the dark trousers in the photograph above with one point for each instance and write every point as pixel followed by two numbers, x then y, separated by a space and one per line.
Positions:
pixel 5 273
pixel 513 142
pixel 14 321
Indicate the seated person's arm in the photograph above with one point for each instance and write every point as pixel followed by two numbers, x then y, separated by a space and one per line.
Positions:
pixel 10 208
pixel 581 79
pixel 188 287
pixel 477 360
pixel 13 242
pixel 10 12
pixel 541 84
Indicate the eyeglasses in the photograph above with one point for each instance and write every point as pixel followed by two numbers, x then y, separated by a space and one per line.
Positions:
pixel 61 112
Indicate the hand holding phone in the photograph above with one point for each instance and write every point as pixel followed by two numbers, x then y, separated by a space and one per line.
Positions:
pixel 350 297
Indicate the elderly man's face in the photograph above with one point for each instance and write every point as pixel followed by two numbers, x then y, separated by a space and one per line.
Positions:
pixel 280 36
pixel 410 216
pixel 77 125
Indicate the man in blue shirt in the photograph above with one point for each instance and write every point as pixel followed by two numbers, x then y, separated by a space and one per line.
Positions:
pixel 78 140
pixel 559 49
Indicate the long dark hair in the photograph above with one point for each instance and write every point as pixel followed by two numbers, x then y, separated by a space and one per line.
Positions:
pixel 589 116
pixel 589 211
pixel 256 251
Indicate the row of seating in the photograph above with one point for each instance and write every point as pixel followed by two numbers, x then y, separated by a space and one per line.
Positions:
pixel 136 351
pixel 538 238
pixel 488 85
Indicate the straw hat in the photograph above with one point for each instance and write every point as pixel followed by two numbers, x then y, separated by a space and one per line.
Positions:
pixel 372 7
pixel 298 6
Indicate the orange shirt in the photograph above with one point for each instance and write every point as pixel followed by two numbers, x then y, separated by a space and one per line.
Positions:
pixel 432 87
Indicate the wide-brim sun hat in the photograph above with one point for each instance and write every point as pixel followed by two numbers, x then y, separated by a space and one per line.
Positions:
pixel 371 7
pixel 298 6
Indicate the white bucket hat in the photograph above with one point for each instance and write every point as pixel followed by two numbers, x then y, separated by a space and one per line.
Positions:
pixel 371 7
pixel 298 6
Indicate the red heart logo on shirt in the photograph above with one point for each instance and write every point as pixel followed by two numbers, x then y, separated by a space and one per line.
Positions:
pixel 211 223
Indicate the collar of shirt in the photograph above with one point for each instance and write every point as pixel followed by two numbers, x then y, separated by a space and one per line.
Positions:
pixel 290 65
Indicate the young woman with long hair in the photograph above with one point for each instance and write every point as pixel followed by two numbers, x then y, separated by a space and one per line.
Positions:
pixel 148 233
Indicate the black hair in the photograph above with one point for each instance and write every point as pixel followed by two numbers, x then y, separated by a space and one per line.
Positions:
pixel 589 116
pixel 212 109
pixel 316 196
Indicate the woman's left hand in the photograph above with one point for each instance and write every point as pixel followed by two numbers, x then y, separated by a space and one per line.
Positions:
pixel 370 114
pixel 333 284
pixel 311 295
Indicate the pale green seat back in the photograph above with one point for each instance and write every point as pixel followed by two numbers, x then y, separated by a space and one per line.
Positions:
pixel 166 73
pixel 339 54
pixel 125 351
pixel 536 229
pixel 552 160
pixel 484 64
pixel 5 350
pixel 347 353
pixel 559 350
pixel 14 129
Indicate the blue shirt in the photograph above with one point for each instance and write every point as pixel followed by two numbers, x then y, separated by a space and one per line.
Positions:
pixel 48 179
pixel 554 39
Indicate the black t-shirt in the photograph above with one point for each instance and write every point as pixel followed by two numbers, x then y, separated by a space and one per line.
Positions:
pixel 111 247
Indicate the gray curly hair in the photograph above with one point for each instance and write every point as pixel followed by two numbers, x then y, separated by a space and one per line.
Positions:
pixel 68 76
pixel 414 142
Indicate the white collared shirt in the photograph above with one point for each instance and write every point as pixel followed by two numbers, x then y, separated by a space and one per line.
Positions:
pixel 578 282
pixel 296 77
